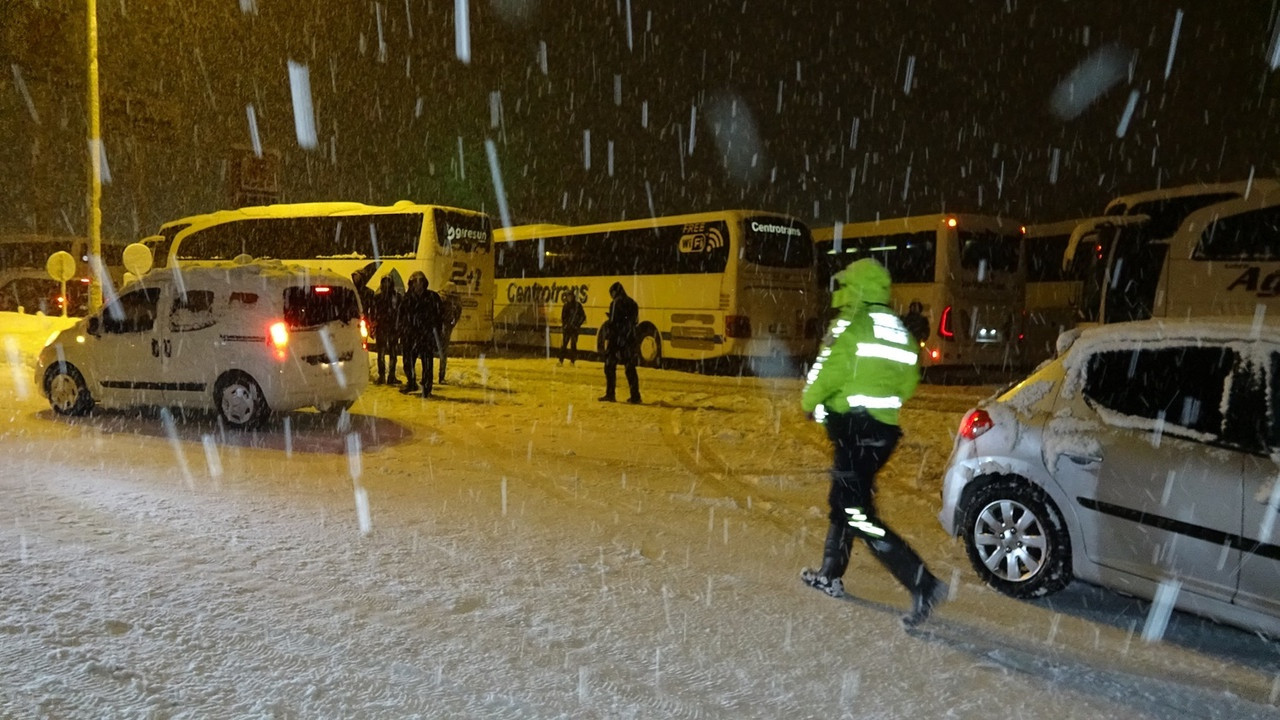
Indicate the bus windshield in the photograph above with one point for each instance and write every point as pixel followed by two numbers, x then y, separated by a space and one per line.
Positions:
pixel 909 257
pixel 775 242
pixel 997 252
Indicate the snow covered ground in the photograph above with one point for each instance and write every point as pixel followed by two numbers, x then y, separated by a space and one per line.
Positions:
pixel 513 548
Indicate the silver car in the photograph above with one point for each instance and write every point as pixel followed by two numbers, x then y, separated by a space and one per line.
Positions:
pixel 1143 458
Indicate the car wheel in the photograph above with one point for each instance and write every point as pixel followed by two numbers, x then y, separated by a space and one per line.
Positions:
pixel 239 400
pixel 650 346
pixel 1016 539
pixel 68 394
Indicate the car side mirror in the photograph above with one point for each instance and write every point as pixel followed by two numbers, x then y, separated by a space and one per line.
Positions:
pixel 95 326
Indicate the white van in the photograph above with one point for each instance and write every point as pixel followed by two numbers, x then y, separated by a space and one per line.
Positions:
pixel 244 338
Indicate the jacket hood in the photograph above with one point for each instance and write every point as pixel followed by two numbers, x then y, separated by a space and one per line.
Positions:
pixel 864 281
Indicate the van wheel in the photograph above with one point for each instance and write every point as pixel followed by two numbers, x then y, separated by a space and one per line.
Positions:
pixel 65 386
pixel 1016 539
pixel 239 400
pixel 650 346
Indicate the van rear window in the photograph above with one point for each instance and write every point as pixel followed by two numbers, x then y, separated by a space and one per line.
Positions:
pixel 311 305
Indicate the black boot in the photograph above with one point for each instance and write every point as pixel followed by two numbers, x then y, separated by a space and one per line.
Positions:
pixel 835 560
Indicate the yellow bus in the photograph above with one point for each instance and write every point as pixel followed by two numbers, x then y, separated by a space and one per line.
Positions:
pixel 1053 288
pixel 1223 259
pixel 731 284
pixel 966 271
pixel 452 246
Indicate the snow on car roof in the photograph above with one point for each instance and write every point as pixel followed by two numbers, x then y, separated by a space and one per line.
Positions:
pixel 232 272
pixel 1208 329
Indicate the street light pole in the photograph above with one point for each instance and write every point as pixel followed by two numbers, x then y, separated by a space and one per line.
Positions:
pixel 95 163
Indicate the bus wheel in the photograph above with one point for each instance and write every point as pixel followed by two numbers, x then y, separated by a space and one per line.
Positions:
pixel 650 345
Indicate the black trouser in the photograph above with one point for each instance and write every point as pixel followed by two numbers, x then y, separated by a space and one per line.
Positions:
pixel 862 445
pixel 388 350
pixel 569 345
pixel 411 356
pixel 628 359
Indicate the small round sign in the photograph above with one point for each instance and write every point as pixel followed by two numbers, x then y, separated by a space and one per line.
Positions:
pixel 138 259
pixel 61 266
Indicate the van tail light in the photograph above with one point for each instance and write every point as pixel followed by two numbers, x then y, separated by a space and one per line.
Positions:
pixel 737 326
pixel 279 337
pixel 944 324
pixel 364 334
pixel 975 424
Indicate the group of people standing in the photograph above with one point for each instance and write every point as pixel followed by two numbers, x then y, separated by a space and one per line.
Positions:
pixel 417 325
pixel 414 327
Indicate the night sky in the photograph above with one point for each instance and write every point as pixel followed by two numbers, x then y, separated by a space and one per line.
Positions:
pixel 827 110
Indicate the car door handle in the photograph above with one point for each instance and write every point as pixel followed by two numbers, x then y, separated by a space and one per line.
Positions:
pixel 168 348
pixel 1083 459
pixel 155 347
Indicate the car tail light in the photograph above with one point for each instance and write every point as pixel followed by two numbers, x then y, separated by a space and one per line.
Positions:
pixel 321 288
pixel 737 326
pixel 364 334
pixel 974 424
pixel 935 354
pixel 279 337
pixel 944 324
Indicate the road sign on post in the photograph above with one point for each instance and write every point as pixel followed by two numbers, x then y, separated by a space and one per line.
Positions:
pixel 61 266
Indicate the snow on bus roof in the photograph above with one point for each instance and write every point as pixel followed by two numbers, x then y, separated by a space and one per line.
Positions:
pixel 1259 185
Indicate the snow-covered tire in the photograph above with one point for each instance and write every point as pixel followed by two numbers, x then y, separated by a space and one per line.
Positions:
pixel 239 400
pixel 65 386
pixel 1016 539
pixel 649 346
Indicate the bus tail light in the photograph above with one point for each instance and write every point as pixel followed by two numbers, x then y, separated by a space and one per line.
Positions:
pixel 279 338
pixel 975 424
pixel 737 326
pixel 944 324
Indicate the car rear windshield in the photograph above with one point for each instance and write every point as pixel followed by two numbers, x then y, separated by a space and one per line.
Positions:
pixel 308 306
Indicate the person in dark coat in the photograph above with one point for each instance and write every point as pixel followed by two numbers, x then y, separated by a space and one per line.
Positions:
pixel 450 313
pixel 360 278
pixel 621 344
pixel 572 316
pixel 917 324
pixel 419 325
pixel 383 317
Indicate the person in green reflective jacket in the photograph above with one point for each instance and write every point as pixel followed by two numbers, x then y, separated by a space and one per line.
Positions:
pixel 866 370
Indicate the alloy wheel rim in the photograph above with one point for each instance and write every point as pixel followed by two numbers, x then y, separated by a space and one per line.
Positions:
pixel 1011 541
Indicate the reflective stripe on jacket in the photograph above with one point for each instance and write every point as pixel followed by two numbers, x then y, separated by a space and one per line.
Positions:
pixel 869 360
